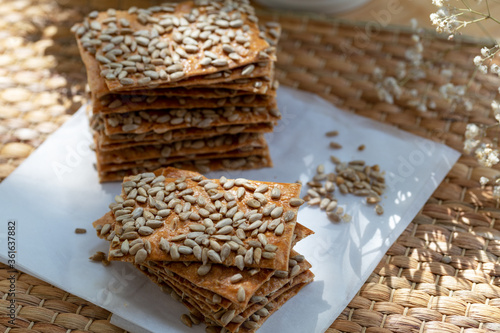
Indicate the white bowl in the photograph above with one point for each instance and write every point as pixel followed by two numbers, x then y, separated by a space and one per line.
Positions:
pixel 323 6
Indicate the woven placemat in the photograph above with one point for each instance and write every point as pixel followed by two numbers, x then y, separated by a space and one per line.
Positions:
pixel 441 275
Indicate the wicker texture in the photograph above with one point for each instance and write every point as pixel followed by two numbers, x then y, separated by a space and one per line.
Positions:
pixel 442 274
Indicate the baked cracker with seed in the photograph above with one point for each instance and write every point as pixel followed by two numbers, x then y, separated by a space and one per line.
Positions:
pixel 163 120
pixel 118 141
pixel 191 63
pixel 220 144
pixel 216 158
pixel 175 226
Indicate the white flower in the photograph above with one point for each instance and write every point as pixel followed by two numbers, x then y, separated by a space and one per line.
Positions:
pixel 469 145
pixel 486 156
pixel 478 60
pixel 485 51
pixel 495 106
pixel 439 3
pixel 495 69
pixel 496 192
pixel 472 131
pixel 483 69
pixel 483 181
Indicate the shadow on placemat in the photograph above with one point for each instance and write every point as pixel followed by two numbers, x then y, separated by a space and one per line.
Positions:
pixel 443 272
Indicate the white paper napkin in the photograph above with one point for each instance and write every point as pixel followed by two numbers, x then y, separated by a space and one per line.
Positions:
pixel 56 190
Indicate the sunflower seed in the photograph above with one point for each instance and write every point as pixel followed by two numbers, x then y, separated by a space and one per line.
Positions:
pixel 276 193
pixel 281 274
pixel 214 256
pixel 296 202
pixel 254 203
pixel 239 262
pixel 186 320
pixel 133 250
pixel 295 271
pixel 126 81
pixel 248 259
pixel 372 199
pixel 279 229
pixel 268 255
pixel 225 252
pixel 140 256
pixel 288 216
pixel 227 316
pixel 240 192
pixel 248 70
pixel 204 269
pixel 164 245
pixel 129 235
pixel 241 295
pixel 174 252
pixel 219 62
pixel 236 278
pixel 262 239
pixel 185 250
pixel 333 216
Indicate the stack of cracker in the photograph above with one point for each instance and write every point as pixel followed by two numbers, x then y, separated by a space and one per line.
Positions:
pixel 222 247
pixel 189 85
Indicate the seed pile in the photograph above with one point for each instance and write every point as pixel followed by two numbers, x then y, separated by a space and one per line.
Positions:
pixel 222 247
pixel 354 177
pixel 184 83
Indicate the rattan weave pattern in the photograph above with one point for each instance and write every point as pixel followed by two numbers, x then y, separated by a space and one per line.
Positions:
pixel 442 274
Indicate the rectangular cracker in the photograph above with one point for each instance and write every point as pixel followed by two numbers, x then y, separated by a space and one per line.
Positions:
pixel 204 166
pixel 175 119
pixel 218 144
pixel 175 227
pixel 117 141
pixel 121 141
pixel 139 31
pixel 155 163
pixel 126 103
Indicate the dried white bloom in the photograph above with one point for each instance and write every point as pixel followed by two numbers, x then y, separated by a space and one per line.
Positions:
pixel 472 131
pixel 445 20
pixel 495 69
pixel 483 69
pixel 495 106
pixel 470 145
pixel 485 52
pixel 487 156
pixel 478 60
pixel 483 181
pixel 496 192
pixel 439 3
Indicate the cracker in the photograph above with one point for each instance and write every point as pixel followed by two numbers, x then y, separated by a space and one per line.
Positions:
pixel 204 166
pixel 218 144
pixel 175 119
pixel 118 141
pixel 178 225
pixel 155 163
pixel 250 52
pixel 138 103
